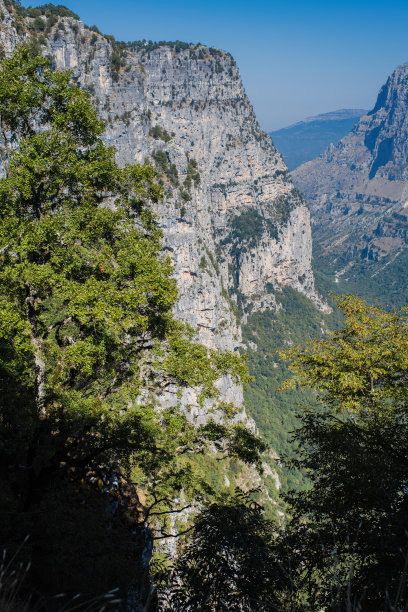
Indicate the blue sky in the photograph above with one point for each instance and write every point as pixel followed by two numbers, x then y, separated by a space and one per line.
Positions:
pixel 297 58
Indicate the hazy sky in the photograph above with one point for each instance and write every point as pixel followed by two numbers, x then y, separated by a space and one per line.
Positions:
pixel 297 57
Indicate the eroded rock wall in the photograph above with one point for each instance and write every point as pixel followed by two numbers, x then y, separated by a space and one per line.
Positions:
pixel 358 189
pixel 233 223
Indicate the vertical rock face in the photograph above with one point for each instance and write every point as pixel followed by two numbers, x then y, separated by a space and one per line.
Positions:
pixel 233 223
pixel 358 190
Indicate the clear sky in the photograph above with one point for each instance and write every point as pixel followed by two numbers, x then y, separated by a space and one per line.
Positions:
pixel 297 57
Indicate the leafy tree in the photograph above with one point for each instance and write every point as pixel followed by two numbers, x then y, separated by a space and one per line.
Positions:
pixel 228 563
pixel 348 530
pixel 361 366
pixel 87 337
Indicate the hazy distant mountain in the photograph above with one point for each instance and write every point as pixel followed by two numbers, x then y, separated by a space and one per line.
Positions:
pixel 358 195
pixel 307 139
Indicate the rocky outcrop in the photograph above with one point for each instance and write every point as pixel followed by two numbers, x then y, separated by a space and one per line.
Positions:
pixel 233 223
pixel 358 190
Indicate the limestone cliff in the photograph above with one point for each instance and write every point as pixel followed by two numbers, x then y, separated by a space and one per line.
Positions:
pixel 233 223
pixel 358 190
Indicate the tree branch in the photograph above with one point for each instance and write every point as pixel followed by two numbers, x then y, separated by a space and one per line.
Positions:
pixel 39 362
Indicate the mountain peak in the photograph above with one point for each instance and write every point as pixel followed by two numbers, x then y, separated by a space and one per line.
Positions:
pixel 357 190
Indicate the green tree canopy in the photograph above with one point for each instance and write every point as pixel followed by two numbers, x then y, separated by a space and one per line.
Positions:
pixel 348 529
pixel 228 563
pixel 88 341
pixel 364 364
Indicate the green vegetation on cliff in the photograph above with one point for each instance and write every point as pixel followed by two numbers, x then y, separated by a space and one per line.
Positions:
pixel 385 281
pixel 344 545
pixel 275 412
pixel 88 343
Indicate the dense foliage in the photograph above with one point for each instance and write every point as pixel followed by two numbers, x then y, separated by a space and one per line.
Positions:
pixel 88 343
pixel 277 414
pixel 229 562
pixel 344 546
pixel 349 528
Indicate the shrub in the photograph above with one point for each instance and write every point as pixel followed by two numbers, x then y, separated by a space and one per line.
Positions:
pixel 158 132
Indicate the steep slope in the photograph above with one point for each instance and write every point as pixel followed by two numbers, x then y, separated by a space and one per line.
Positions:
pixel 234 225
pixel 307 139
pixel 358 193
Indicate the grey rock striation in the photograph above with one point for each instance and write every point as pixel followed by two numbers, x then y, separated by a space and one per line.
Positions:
pixel 233 224
pixel 358 189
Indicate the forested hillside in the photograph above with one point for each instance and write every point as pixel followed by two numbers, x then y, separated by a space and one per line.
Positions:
pixel 276 412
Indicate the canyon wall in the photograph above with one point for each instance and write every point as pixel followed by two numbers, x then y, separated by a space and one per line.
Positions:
pixel 233 224
pixel 358 189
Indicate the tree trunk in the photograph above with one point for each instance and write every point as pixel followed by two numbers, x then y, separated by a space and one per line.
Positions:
pixel 39 362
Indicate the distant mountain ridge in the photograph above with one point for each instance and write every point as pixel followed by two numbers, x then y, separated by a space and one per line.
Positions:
pixel 305 140
pixel 337 115
pixel 357 191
